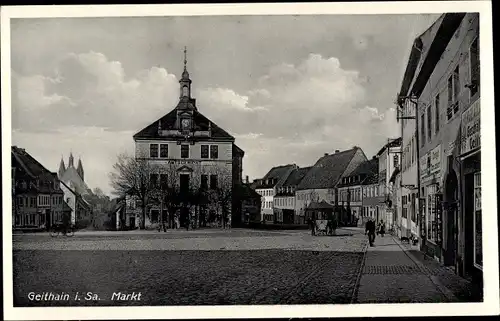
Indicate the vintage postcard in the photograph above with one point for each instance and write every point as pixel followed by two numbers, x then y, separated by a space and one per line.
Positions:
pixel 249 160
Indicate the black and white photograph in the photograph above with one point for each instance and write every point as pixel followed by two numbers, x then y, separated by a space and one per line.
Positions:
pixel 319 159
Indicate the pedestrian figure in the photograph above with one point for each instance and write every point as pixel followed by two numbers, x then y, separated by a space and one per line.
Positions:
pixel 370 229
pixel 225 221
pixel 382 228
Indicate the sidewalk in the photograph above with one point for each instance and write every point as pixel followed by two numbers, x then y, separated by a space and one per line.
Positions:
pixel 391 275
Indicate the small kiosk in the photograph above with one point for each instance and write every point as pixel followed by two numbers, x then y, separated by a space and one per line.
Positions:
pixel 320 213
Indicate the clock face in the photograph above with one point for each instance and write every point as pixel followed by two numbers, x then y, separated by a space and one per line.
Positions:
pixel 185 123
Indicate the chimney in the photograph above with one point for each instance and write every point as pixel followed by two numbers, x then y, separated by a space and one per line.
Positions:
pixel 337 150
pixel 246 180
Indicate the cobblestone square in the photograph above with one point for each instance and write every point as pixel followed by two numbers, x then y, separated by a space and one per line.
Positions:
pixel 232 268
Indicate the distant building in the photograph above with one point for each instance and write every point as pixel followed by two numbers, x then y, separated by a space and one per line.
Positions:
pixel 320 182
pixel 37 199
pixel 190 152
pixel 73 176
pixel 268 186
pixel 250 203
pixel 355 188
pixel 284 201
pixel 389 158
pixel 80 209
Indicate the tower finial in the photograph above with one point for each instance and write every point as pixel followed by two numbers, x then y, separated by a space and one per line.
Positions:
pixel 185 58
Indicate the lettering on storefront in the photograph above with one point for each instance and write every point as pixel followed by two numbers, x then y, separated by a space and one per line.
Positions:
pixel 470 137
pixel 430 164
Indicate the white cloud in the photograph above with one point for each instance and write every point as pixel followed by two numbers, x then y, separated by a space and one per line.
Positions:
pixel 90 90
pixel 294 114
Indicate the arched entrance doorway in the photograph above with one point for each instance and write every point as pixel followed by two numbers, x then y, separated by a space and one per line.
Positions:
pixel 451 197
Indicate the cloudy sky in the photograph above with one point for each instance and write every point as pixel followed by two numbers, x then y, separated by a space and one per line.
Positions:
pixel 289 88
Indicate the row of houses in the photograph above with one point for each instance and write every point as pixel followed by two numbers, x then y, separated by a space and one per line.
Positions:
pixel 40 198
pixel 439 185
pixel 357 188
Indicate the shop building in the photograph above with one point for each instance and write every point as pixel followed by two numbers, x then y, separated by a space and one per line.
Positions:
pixel 445 92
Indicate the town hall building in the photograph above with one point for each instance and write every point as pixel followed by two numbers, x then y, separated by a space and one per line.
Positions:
pixel 191 152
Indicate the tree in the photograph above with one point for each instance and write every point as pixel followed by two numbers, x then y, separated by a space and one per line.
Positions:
pixel 220 196
pixel 132 176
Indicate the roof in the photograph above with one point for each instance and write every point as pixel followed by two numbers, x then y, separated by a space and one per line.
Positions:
pixel 276 174
pixel 66 207
pixel 29 166
pixel 296 176
pixel 393 143
pixel 368 171
pixel 444 30
pixel 28 163
pixel 327 170
pixel 320 206
pixel 238 151
pixel 200 122
pixel 244 191
pixel 72 179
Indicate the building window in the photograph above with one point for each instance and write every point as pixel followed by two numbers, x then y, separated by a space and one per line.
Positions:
pixel 453 93
pixel 214 152
pixel 478 231
pixel 184 151
pixel 163 181
pixel 396 161
pixel 436 110
pixel 422 129
pixel 153 180
pixel 213 181
pixel 153 150
pixel 456 86
pixel 474 67
pixel 204 151
pixel 164 150
pixel 204 182
pixel 429 123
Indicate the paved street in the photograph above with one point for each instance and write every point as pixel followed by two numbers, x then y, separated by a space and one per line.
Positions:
pixel 235 266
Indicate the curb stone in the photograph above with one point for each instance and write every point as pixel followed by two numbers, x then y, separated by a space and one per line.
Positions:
pixel 354 296
pixel 434 279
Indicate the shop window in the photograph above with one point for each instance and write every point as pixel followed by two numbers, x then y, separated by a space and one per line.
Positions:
pixel 478 230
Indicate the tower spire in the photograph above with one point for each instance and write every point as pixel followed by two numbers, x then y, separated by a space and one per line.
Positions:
pixel 185 58
pixel 62 168
pixel 71 159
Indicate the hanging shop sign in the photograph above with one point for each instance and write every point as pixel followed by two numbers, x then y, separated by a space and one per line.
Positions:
pixel 430 164
pixel 470 136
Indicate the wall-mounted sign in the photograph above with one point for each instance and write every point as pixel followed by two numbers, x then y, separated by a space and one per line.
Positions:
pixel 430 164
pixel 470 136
